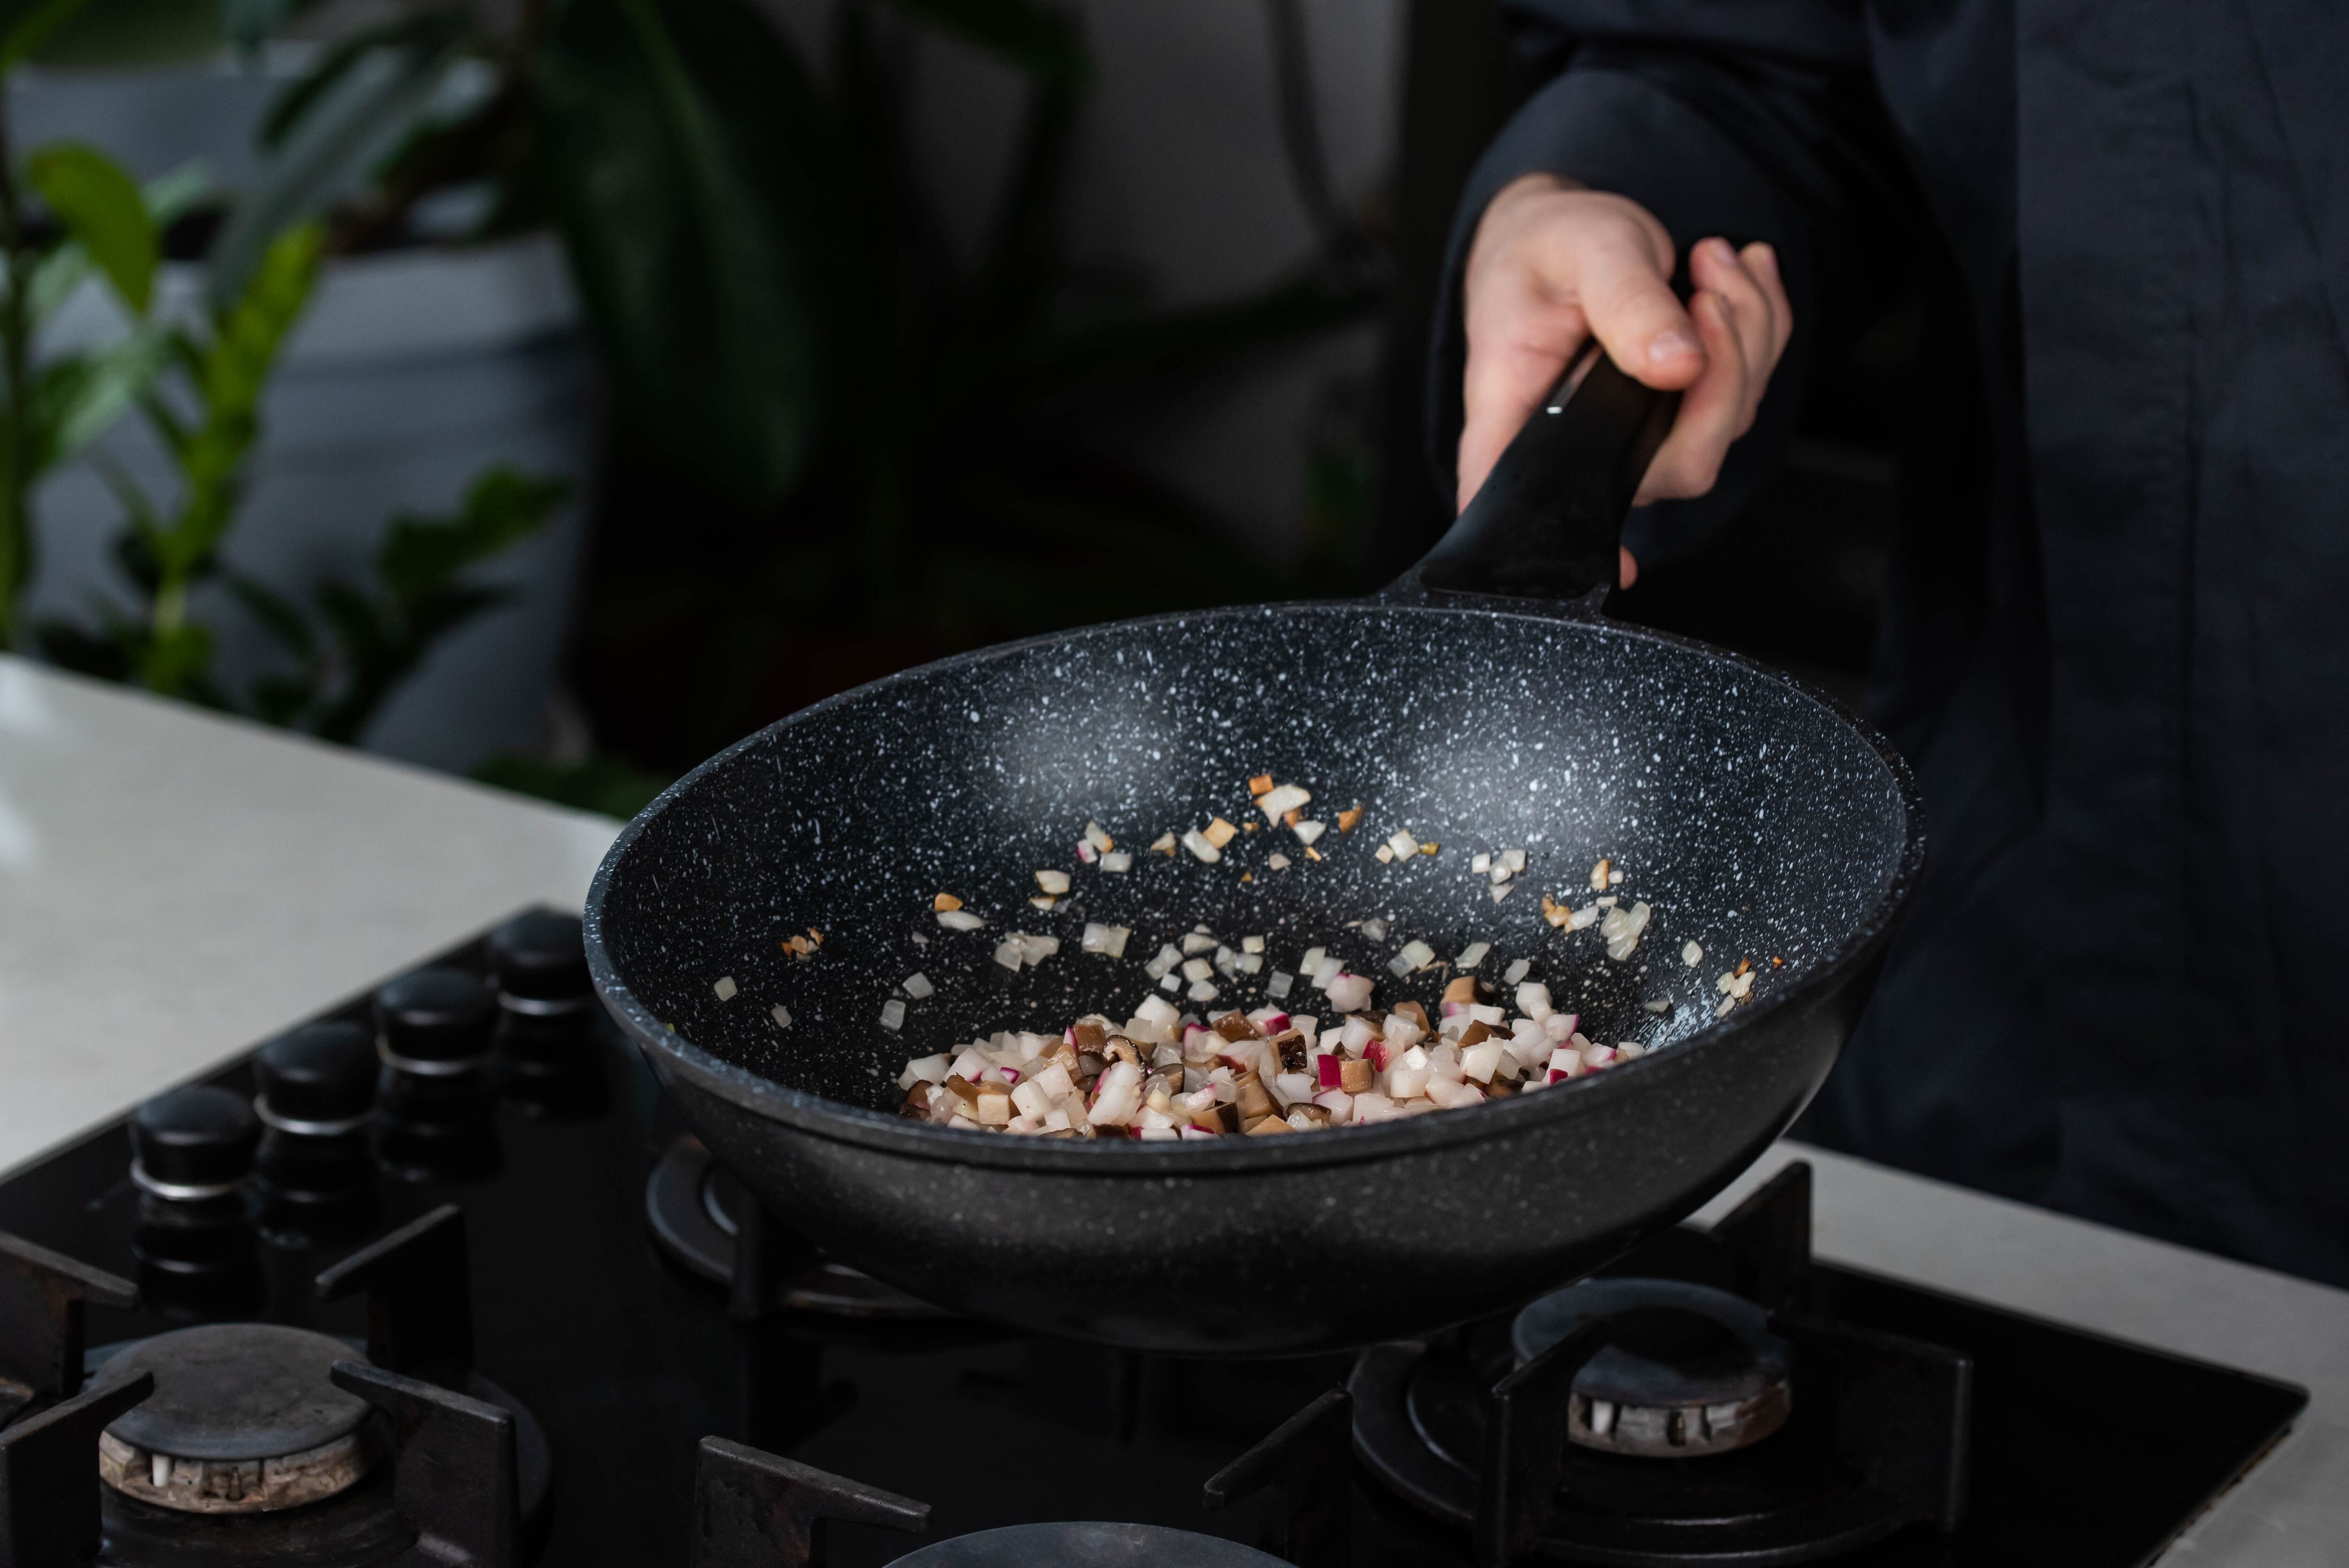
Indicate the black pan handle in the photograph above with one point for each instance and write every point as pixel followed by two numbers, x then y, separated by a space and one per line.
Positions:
pixel 1548 520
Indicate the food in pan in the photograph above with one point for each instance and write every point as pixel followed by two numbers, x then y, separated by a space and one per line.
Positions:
pixel 1170 1074
pixel 1163 1075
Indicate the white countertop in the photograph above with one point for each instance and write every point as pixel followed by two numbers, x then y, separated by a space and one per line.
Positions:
pixel 174 887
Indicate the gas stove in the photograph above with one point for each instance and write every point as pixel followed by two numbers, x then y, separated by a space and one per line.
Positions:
pixel 438 1278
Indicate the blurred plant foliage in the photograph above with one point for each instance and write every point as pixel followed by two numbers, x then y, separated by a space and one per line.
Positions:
pixel 69 215
pixel 912 438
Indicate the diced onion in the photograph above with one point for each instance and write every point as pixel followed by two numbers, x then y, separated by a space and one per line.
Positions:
pixel 1053 883
pixel 725 988
pixel 917 985
pixel 1472 954
pixel 892 1014
pixel 959 919
pixel 1118 861
pixel 1515 972
pixel 781 1014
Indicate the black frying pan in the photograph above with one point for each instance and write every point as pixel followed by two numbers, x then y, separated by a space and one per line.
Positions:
pixel 1483 704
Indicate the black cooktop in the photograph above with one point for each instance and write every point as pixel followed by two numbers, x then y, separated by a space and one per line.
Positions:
pixel 2083 1451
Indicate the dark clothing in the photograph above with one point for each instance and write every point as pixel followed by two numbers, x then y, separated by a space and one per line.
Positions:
pixel 2119 647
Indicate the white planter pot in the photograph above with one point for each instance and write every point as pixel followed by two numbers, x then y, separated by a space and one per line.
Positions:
pixel 410 374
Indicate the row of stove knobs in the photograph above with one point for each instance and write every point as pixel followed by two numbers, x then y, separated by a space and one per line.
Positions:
pixel 339 1105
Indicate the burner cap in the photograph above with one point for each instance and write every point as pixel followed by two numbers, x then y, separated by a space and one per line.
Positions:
pixel 243 1418
pixel 1692 1371
pixel 1087 1547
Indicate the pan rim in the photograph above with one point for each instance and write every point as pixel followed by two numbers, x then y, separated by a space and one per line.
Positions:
pixel 836 1120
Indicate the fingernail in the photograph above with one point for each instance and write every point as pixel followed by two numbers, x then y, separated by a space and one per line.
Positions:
pixel 1672 344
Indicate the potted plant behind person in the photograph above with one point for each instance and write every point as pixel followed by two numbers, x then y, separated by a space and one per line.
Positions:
pixel 439 342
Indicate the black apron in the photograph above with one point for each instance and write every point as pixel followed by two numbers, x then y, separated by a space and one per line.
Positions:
pixel 2118 648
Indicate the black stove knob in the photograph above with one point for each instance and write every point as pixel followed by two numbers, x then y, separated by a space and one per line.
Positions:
pixel 540 959
pixel 435 1023
pixel 316 1082
pixel 193 1144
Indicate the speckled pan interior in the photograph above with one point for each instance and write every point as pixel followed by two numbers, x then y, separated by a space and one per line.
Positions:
pixel 1756 820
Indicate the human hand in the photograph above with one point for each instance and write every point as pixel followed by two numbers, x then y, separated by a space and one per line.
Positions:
pixel 1553 263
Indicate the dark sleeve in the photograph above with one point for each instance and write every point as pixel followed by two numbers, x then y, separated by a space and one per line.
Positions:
pixel 1712 138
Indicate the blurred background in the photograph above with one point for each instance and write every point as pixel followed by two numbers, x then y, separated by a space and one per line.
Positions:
pixel 556 390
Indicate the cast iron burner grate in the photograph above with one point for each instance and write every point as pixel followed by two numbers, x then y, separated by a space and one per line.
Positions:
pixel 263 1446
pixel 1653 1422
pixel 758 1509
pixel 698 1210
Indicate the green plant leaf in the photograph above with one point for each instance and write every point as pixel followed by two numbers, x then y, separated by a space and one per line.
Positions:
pixel 501 509
pixel 32 29
pixel 75 400
pixel 57 274
pixel 102 209
pixel 327 155
pixel 680 141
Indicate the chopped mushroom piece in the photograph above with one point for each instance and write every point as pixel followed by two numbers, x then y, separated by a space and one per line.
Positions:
pixel 1164 845
pixel 1218 832
pixel 1101 842
pixel 1261 785
pixel 1599 876
pixel 946 901
pixel 1350 819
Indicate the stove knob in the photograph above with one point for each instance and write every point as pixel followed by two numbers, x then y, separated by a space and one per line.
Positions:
pixel 317 1081
pixel 435 1023
pixel 541 960
pixel 192 1144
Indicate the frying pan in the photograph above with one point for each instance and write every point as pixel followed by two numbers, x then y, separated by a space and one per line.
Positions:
pixel 1480 704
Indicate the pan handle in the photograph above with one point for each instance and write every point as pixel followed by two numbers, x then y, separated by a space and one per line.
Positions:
pixel 1548 524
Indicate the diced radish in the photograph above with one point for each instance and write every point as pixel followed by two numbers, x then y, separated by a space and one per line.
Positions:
pixel 1350 992
pixel 1380 1053
pixel 1117 860
pixel 1337 1102
pixel 1325 1068
pixel 1480 1060
pixel 1516 972
pixel 1533 1000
